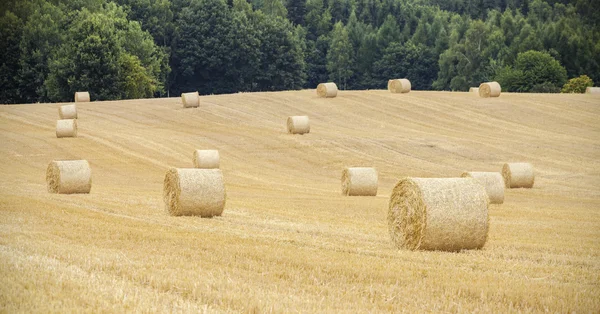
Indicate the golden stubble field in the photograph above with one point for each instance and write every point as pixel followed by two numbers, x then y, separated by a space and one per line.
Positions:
pixel 288 241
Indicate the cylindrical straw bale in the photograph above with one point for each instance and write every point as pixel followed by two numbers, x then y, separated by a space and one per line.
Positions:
pixel 359 181
pixel 194 192
pixel 69 176
pixel 190 100
pixel 518 175
pixel 82 97
pixel 67 112
pixel 489 89
pixel 399 86
pixel 592 90
pixel 448 214
pixel 493 183
pixel 474 90
pixel 66 128
pixel 327 90
pixel 298 124
pixel 206 159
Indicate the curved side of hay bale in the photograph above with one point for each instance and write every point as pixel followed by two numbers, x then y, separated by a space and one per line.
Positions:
pixel 399 86
pixel 190 100
pixel 206 159
pixel 194 192
pixel 82 97
pixel 493 183
pixel 448 214
pixel 518 175
pixel 489 89
pixel 389 86
pixel 66 128
pixel 359 181
pixel 69 176
pixel 67 112
pixel 592 90
pixel 298 125
pixel 327 90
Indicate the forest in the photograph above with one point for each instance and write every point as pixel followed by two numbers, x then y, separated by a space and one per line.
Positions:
pixel 124 49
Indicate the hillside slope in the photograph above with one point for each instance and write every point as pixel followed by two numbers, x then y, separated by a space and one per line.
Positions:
pixel 288 240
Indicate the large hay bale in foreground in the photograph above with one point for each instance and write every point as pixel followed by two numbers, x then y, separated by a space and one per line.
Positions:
pixel 67 112
pixel 592 90
pixel 438 214
pixel 399 86
pixel 190 100
pixel 194 192
pixel 493 183
pixel 327 90
pixel 489 89
pixel 359 181
pixel 518 175
pixel 474 90
pixel 66 128
pixel 206 159
pixel 82 97
pixel 69 176
pixel 298 124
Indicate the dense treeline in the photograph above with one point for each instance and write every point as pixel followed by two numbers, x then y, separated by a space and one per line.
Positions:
pixel 142 48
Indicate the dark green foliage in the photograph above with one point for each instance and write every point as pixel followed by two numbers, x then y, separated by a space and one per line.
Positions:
pixel 577 84
pixel 415 62
pixel 11 28
pixel 534 71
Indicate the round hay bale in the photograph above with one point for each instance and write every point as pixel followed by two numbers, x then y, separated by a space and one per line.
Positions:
pixel 67 112
pixel 448 214
pixel 327 90
pixel 190 100
pixel 518 175
pixel 69 176
pixel 82 97
pixel 489 89
pixel 66 128
pixel 399 86
pixel 359 181
pixel 206 159
pixel 194 192
pixel 592 90
pixel 493 183
pixel 474 90
pixel 298 124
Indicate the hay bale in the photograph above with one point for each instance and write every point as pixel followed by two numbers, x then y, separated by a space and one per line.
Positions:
pixel 448 214
pixel 474 90
pixel 489 89
pixel 298 124
pixel 592 90
pixel 493 183
pixel 190 100
pixel 194 192
pixel 518 175
pixel 359 181
pixel 206 159
pixel 399 86
pixel 67 112
pixel 327 90
pixel 82 97
pixel 69 176
pixel 66 128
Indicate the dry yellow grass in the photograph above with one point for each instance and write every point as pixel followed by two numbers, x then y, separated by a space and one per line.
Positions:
pixel 288 240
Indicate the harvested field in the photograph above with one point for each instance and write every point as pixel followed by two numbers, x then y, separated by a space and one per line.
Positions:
pixel 288 241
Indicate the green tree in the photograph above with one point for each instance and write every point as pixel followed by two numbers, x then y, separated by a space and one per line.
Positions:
pixel 11 28
pixel 339 63
pixel 577 84
pixel 274 8
pixel 296 10
pixel 416 62
pixel 534 71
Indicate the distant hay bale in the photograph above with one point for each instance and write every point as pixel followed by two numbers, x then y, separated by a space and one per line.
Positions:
pixel 82 97
pixel 489 89
pixel 399 86
pixel 518 175
pixel 448 214
pixel 194 192
pixel 67 112
pixel 298 124
pixel 359 181
pixel 190 100
pixel 474 90
pixel 327 90
pixel 66 128
pixel 206 159
pixel 592 90
pixel 493 183
pixel 69 176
